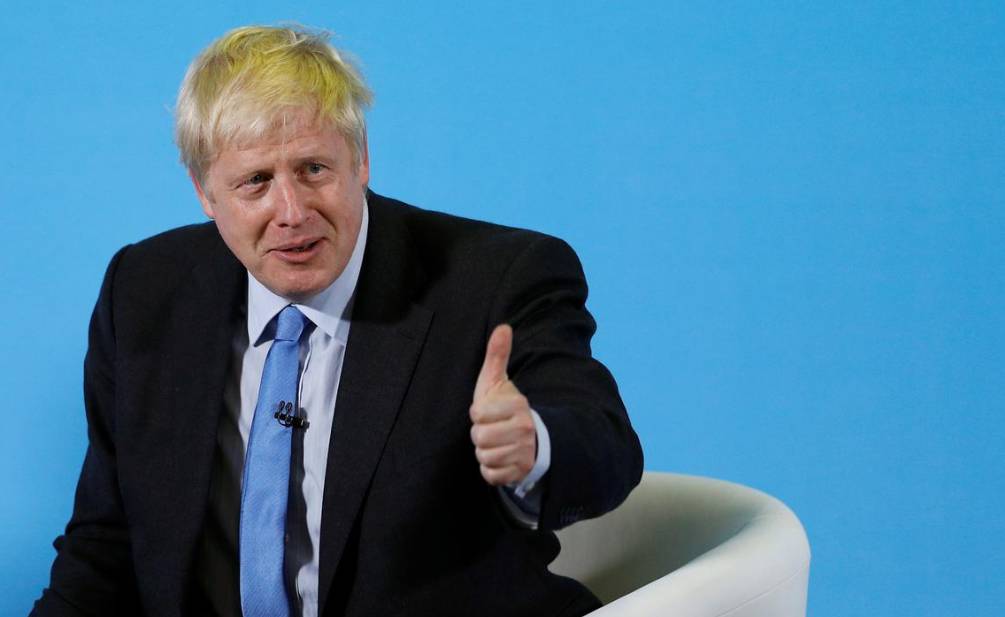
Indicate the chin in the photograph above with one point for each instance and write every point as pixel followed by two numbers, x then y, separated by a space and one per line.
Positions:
pixel 297 283
pixel 299 294
pixel 301 290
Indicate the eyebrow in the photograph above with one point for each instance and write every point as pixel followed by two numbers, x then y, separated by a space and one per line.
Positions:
pixel 268 167
pixel 309 158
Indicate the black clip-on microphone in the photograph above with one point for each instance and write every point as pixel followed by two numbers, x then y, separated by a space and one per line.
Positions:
pixel 284 413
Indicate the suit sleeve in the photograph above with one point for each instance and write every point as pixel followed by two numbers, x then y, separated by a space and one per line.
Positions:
pixel 93 573
pixel 596 458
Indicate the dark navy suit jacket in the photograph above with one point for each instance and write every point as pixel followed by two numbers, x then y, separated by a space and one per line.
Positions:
pixel 409 527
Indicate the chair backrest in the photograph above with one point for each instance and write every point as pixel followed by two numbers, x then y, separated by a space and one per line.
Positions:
pixel 672 523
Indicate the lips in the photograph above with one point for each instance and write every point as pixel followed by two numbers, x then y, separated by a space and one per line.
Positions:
pixel 297 251
pixel 301 248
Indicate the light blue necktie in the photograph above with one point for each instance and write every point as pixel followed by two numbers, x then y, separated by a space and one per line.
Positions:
pixel 267 475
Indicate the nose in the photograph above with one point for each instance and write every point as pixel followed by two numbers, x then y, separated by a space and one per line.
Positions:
pixel 290 205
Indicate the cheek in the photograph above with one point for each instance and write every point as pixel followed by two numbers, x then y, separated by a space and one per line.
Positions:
pixel 349 211
pixel 241 231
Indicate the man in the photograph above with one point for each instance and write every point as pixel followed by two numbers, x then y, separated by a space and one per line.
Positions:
pixel 328 402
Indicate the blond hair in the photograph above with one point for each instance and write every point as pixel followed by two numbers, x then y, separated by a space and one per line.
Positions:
pixel 255 79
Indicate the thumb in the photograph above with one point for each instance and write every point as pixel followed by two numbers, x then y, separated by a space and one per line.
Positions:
pixel 496 358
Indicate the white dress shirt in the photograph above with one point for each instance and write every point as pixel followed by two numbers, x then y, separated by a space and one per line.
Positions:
pixel 321 368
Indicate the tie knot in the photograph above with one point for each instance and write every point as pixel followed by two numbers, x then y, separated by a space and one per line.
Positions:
pixel 290 324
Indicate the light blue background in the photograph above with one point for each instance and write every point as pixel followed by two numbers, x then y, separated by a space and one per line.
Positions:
pixel 791 216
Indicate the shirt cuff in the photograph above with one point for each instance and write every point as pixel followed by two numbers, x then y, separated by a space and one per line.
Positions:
pixel 541 463
pixel 522 500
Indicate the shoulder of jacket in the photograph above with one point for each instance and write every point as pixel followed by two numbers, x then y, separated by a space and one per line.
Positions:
pixel 168 258
pixel 431 229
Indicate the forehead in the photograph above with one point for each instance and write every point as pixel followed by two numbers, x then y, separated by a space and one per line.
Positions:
pixel 291 141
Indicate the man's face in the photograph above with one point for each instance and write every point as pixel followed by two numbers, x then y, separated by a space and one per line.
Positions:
pixel 289 207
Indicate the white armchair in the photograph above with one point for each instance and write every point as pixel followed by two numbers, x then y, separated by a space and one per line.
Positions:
pixel 687 546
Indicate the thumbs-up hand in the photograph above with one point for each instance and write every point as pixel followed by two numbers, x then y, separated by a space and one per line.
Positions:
pixel 502 426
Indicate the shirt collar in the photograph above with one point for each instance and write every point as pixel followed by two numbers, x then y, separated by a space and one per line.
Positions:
pixel 327 309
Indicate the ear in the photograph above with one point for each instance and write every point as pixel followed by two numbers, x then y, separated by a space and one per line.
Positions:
pixel 363 172
pixel 204 199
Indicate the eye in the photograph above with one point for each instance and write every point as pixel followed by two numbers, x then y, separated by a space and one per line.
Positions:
pixel 255 180
pixel 314 169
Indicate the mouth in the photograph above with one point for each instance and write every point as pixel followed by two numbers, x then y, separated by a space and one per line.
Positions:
pixel 297 252
pixel 301 249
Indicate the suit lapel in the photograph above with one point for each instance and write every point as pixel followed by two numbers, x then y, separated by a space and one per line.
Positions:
pixel 212 307
pixel 385 341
